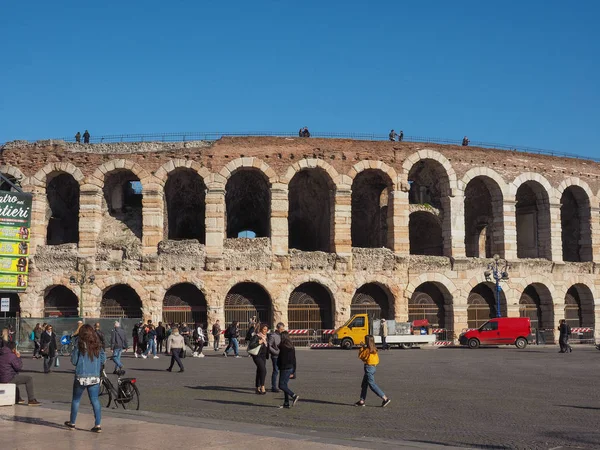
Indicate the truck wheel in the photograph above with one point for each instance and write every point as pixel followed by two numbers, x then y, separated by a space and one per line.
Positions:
pixel 347 344
pixel 521 343
pixel 406 345
pixel 473 343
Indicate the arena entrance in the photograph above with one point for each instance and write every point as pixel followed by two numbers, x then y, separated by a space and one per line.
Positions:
pixel 482 305
pixel 373 300
pixel 244 301
pixel 536 303
pixel 433 302
pixel 310 308
pixel 120 301
pixel 184 302
pixel 60 301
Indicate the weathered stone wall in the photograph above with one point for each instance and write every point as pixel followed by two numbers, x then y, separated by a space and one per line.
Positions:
pixel 150 264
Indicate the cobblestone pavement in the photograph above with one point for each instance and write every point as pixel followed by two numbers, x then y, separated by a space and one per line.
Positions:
pixel 492 397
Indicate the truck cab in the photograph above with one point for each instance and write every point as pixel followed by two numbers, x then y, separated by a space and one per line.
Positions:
pixel 352 332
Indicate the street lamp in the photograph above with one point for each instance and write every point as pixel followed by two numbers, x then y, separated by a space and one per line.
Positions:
pixel 80 279
pixel 498 271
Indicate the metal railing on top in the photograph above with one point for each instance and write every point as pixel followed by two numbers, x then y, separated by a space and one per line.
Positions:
pixel 215 135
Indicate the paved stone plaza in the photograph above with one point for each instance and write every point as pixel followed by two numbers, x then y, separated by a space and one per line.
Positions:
pixel 533 398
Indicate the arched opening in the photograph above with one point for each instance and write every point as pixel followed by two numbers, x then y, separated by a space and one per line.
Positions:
pixel 60 301
pixel 244 301
pixel 372 209
pixel 374 300
pixel 248 203
pixel 184 302
pixel 533 221
pixel 425 234
pixel 62 213
pixel 482 304
pixel 310 219
pixel 14 305
pixel 579 306
pixel 310 307
pixel 433 302
pixel 119 301
pixel 185 199
pixel 484 224
pixel 536 303
pixel 5 185
pixel 575 220
pixel 123 202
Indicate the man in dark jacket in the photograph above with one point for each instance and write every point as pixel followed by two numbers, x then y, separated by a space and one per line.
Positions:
pixel 161 334
pixel 48 348
pixel 100 334
pixel 563 339
pixel 10 366
pixel 118 343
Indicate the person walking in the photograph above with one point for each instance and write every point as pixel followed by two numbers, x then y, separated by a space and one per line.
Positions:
pixel 563 339
pixel 88 357
pixel 368 354
pixel 175 344
pixel 37 334
pixel 260 339
pixel 100 334
pixel 383 332
pixel 10 366
pixel 78 138
pixel 216 333
pixel 150 342
pixel 199 341
pixel 161 333
pixel 86 137
pixel 118 344
pixel 134 336
pixel 48 348
pixel 233 335
pixel 274 340
pixel 286 362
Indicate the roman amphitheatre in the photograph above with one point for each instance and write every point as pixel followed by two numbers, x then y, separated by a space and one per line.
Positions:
pixel 307 231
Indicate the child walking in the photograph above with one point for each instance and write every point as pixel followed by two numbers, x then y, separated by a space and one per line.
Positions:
pixel 368 354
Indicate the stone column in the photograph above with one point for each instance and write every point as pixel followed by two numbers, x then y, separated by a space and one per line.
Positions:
pixel 152 214
pixel 460 319
pixel 342 238
pixel 595 230
pixel 555 233
pixel 215 227
pixel 513 311
pixel 38 218
pixel 454 238
pixel 90 220
pixel 510 229
pixel 279 219
pixel 398 236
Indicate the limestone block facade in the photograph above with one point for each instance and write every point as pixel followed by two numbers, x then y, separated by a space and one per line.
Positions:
pixel 307 231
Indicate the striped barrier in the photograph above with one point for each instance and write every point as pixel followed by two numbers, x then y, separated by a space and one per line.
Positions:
pixel 298 331
pixel 581 330
pixel 443 343
pixel 328 331
pixel 320 345
pixel 437 330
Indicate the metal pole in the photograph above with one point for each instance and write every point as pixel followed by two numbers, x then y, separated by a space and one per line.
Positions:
pixel 498 314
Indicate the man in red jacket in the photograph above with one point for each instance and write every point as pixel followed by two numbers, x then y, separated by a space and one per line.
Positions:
pixel 10 366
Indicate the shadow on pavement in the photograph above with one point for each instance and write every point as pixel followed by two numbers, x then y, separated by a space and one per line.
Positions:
pixel 240 390
pixel 322 402
pixel 593 408
pixel 230 402
pixel 32 421
pixel 149 370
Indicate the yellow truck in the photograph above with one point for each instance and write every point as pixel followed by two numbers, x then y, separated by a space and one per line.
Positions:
pixel 401 334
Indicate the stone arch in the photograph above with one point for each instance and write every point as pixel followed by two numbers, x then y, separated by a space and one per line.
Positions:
pixel 372 207
pixel 484 214
pixel 98 178
pixel 311 197
pixel 120 300
pixel 13 174
pixel 184 302
pixel 62 208
pixel 245 300
pixel 482 304
pixel 432 301
pixel 427 154
pixel 162 173
pixel 579 306
pixel 60 301
pixel 105 283
pixel 248 162
pixel 426 236
pixel 311 306
pixel 40 177
pixel 310 163
pixel 483 172
pixel 537 304
pixel 375 299
pixel 533 195
pixel 248 203
pixel 185 205
pixel 433 277
pixel 576 223
pixel 388 172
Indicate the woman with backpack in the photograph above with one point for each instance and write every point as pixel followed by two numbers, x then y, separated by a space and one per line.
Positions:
pixel 259 341
pixel 88 357
pixel 232 334
pixel 368 354
pixel 286 362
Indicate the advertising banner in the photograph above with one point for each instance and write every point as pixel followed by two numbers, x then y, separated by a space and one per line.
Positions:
pixel 15 234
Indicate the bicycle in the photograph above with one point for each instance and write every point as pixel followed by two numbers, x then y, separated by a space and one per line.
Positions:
pixel 66 345
pixel 125 393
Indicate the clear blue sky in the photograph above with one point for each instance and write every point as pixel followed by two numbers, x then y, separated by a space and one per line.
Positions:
pixel 514 72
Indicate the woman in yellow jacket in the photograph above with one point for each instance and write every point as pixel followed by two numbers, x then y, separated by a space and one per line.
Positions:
pixel 368 354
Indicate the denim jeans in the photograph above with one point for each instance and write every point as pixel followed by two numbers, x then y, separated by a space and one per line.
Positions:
pixel 369 380
pixel 233 342
pixel 284 378
pixel 48 363
pixel 93 392
pixel 117 358
pixel 275 373
pixel 151 347
pixel 216 343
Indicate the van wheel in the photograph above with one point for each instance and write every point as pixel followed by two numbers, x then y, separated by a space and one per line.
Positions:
pixel 521 343
pixel 406 346
pixel 473 343
pixel 347 344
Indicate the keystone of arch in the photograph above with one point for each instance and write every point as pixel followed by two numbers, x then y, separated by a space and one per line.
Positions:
pixel 248 162
pixel 310 163
pixel 483 172
pixel 431 277
pixel 162 173
pixel 369 164
pixel 411 160
pixel 100 173
pixel 39 179
pixel 532 176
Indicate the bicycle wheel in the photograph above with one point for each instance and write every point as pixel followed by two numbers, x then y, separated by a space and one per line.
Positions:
pixel 64 350
pixel 104 396
pixel 130 396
